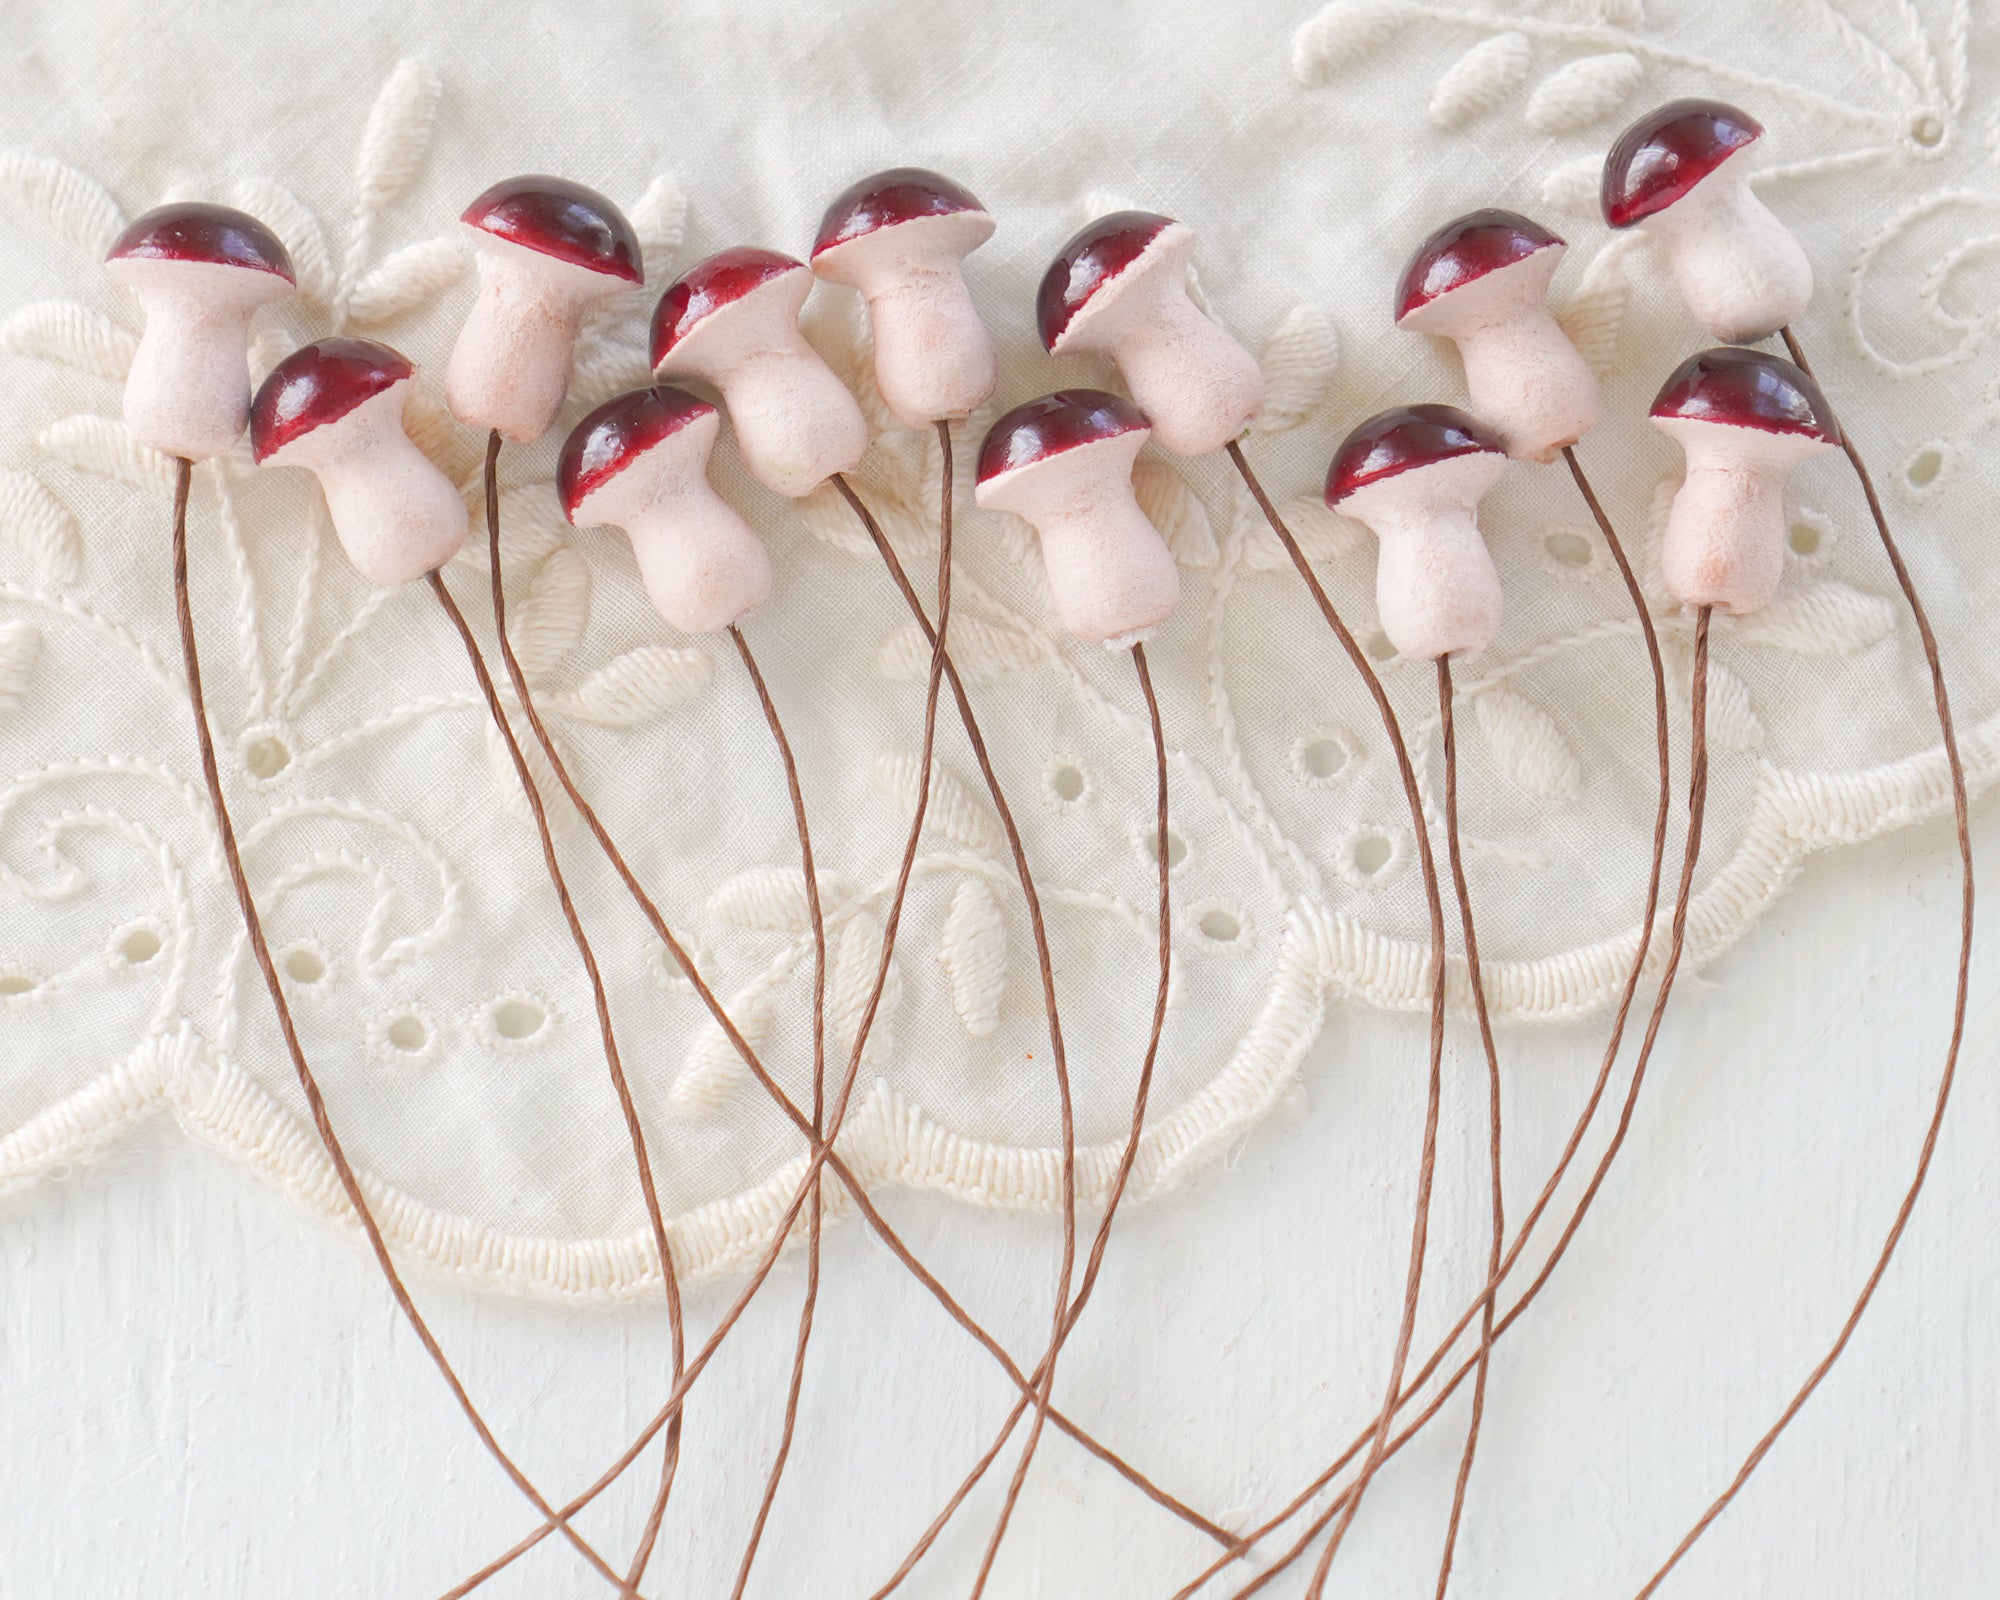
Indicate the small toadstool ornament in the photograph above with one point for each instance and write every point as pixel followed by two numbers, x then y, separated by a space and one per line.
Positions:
pixel 640 463
pixel 1744 419
pixel 199 271
pixel 733 321
pixel 1682 174
pixel 1482 281
pixel 1415 476
pixel 1064 462
pixel 898 237
pixel 336 408
pixel 547 251
pixel 1119 287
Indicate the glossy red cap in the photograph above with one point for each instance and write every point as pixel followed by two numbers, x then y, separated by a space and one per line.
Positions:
pixel 318 384
pixel 555 217
pixel 1666 153
pixel 1091 259
pixel 707 286
pixel 902 194
pixel 616 434
pixel 1402 439
pixel 197 231
pixel 1747 389
pixel 1465 250
pixel 1055 423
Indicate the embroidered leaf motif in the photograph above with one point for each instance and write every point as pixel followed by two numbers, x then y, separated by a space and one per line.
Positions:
pixel 829 518
pixel 39 525
pixel 74 208
pixel 1573 187
pixel 305 241
pixel 1622 13
pixel 1298 368
pixel 639 685
pixel 610 358
pixel 712 1070
pixel 659 218
pixel 548 624
pixel 1577 95
pixel 61 330
pixel 20 645
pixel 412 276
pixel 435 431
pixel 1595 316
pixel 851 969
pixel 101 445
pixel 398 135
pixel 1176 510
pixel 1732 722
pixel 1480 79
pixel 973 952
pixel 1340 34
pixel 508 781
pixel 981 651
pixel 952 810
pixel 1323 534
pixel 1527 744
pixel 1821 618
pixel 774 899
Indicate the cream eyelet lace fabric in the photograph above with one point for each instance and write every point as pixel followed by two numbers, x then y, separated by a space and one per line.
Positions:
pixel 436 991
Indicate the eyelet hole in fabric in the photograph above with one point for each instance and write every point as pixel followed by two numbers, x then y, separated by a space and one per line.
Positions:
pixel 266 757
pixel 407 1033
pixel 304 964
pixel 1065 784
pixel 518 1019
pixel 1221 927
pixel 1323 757
pixel 134 945
pixel 13 985
pixel 1148 841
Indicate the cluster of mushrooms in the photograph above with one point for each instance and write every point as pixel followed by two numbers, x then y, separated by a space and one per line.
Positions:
pixel 549 251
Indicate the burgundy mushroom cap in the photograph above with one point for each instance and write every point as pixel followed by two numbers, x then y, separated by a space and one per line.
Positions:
pixel 1666 153
pixel 1747 389
pixel 196 231
pixel 1098 253
pixel 1465 250
pixel 1398 440
pixel 318 384
pixel 1055 423
pixel 708 287
pixel 616 434
pixel 555 217
pixel 902 194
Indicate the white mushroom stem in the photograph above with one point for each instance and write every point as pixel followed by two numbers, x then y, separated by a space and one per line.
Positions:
pixel 703 568
pixel 1724 544
pixel 932 356
pixel 1111 574
pixel 1741 272
pixel 796 424
pixel 188 392
pixel 396 515
pixel 1523 376
pixel 511 366
pixel 1436 589
pixel 1198 387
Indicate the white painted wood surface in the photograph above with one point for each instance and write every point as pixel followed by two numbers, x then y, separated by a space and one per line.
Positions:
pixel 202 1393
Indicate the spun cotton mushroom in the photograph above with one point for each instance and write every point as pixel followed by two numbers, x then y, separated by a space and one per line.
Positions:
pixel 1482 281
pixel 733 321
pixel 1415 476
pixel 547 251
pixel 898 237
pixel 1119 288
pixel 335 407
pixel 199 271
pixel 1744 419
pixel 1682 174
pixel 1064 462
pixel 640 463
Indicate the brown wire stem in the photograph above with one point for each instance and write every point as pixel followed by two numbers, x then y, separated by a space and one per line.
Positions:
pixel 1499 1231
pixel 253 926
pixel 1961 818
pixel 1040 934
pixel 1427 1159
pixel 628 1108
pixel 816 1205
pixel 1585 1117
